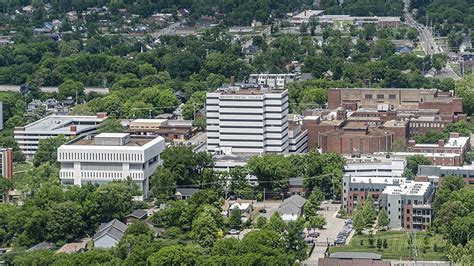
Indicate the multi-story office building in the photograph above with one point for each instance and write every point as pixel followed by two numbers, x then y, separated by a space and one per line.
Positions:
pixel 455 145
pixel 246 119
pixel 408 205
pixel 29 136
pixel 6 163
pixel 110 156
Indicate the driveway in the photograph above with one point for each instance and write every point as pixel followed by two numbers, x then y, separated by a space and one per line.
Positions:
pixel 269 206
pixel 328 234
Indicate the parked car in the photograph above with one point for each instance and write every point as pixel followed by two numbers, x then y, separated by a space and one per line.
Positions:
pixel 314 234
pixel 234 232
pixel 262 211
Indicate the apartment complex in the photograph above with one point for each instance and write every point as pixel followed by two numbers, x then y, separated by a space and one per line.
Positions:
pixel 29 136
pixel 249 119
pixel 272 80
pixel 408 205
pixel 343 21
pixel 6 163
pixel 110 156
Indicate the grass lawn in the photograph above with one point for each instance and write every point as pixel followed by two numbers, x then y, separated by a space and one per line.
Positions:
pixel 397 246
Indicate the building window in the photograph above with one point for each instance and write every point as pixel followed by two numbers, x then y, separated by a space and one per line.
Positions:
pixel 380 96
pixel 408 219
pixel 368 96
pixel 408 211
pixel 392 96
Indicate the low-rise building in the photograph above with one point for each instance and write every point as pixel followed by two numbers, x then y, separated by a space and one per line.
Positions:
pixel 110 156
pixel 51 126
pixel 467 63
pixel 466 171
pixel 292 208
pixel 272 80
pixel 136 215
pixel 304 16
pixel 109 234
pixel 170 130
pixel 455 145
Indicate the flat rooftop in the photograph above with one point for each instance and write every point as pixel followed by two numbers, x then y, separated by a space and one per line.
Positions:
pixel 377 180
pixel 135 141
pixel 410 187
pixel 451 143
pixel 151 121
pixel 60 124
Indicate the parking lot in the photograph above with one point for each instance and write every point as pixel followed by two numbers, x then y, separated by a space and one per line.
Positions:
pixel 327 235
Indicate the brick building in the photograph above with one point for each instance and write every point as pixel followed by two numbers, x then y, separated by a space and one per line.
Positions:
pixel 395 98
pixel 356 138
pixel 455 145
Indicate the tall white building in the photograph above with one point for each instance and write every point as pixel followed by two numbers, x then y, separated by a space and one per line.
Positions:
pixel 245 119
pixel 51 126
pixel 110 156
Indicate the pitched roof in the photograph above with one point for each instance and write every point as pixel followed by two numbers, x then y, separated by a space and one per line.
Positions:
pixel 139 214
pixel 296 199
pixel 289 208
pixel 114 229
pixel 186 191
pixel 41 246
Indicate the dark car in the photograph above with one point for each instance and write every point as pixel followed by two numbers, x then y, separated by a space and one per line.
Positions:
pixel 262 211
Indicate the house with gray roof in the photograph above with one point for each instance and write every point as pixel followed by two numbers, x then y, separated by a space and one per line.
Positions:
pixel 109 234
pixel 292 208
pixel 136 215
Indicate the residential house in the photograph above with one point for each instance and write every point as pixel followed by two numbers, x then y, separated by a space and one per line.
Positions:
pixel 109 234
pixel 296 186
pixel 292 208
pixel 41 246
pixel 136 215
pixel 184 193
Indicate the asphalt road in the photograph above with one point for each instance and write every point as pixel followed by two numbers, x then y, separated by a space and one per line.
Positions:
pixel 428 42
pixel 54 89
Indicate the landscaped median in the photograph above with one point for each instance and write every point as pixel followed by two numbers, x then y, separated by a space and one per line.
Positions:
pixel 428 247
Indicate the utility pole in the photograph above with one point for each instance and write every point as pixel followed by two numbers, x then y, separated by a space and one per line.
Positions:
pixel 264 198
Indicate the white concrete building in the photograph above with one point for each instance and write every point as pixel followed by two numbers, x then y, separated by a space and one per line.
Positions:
pixel 374 167
pixel 272 80
pixel 298 139
pixel 408 205
pixel 244 119
pixel 51 126
pixel 110 156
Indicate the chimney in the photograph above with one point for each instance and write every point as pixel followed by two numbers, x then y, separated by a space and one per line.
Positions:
pixel 441 143
pixel 73 128
pixel 453 135
pixel 232 80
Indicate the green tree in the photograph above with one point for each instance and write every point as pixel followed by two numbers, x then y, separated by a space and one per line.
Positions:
pixel 205 227
pixel 465 90
pixel 276 223
pixel 449 185
pixel 261 222
pixel 70 88
pixel 318 221
pixel 460 127
pixel 369 210
pixel 110 125
pixel 382 220
pixel 272 170
pixel 175 255
pixel 139 228
pixel 312 204
pixel 413 161
pixel 235 218
pixel 379 243
pixel 47 150
pixel 385 243
pixel 163 183
pixel 359 221
pixel 108 202
pixel 65 222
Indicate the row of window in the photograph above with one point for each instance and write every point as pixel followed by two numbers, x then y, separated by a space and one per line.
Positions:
pixel 88 156
pixel 381 96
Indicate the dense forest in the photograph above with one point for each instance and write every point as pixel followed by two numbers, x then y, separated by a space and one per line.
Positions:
pixel 236 12
pixel 363 7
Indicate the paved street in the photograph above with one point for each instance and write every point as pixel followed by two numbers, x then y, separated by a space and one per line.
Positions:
pixel 428 42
